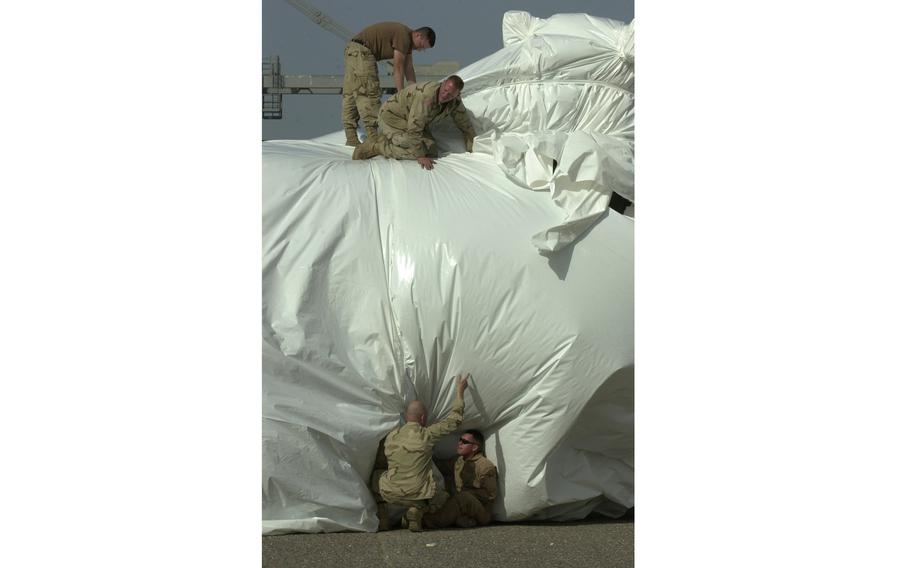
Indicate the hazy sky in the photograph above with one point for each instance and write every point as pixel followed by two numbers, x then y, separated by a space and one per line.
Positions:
pixel 465 32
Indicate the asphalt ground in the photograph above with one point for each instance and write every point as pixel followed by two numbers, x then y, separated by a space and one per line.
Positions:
pixel 596 542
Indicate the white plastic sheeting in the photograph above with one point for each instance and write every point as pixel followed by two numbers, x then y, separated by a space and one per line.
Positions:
pixel 381 281
pixel 556 84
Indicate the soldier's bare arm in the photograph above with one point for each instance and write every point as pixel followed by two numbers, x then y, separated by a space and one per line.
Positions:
pixel 398 69
pixel 409 70
pixel 462 385
pixel 453 419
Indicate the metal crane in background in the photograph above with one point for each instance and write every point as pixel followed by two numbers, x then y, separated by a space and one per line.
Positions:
pixel 275 85
pixel 325 22
pixel 321 19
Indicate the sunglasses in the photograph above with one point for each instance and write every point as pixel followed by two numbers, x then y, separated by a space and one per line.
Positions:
pixel 466 442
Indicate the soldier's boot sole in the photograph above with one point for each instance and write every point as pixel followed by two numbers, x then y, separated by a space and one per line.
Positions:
pixel 415 516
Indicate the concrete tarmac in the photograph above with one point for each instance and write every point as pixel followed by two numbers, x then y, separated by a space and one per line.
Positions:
pixel 595 542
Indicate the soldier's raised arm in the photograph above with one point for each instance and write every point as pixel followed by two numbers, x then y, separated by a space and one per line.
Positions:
pixel 453 419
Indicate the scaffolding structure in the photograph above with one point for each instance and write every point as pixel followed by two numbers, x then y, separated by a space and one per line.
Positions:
pixel 271 92
pixel 275 85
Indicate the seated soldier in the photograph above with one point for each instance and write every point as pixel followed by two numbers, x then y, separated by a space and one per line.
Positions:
pixel 475 483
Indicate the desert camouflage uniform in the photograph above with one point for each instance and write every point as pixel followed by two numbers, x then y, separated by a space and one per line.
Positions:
pixel 475 482
pixel 360 90
pixel 405 119
pixel 408 481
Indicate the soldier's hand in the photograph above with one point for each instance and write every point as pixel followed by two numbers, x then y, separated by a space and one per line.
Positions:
pixel 463 382
pixel 426 163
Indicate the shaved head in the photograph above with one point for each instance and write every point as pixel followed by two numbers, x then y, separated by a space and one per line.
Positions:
pixel 416 411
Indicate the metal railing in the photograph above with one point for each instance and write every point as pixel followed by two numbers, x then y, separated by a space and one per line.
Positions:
pixel 272 80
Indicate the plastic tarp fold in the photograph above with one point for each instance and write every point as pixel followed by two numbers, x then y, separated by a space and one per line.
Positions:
pixel 381 281
pixel 552 79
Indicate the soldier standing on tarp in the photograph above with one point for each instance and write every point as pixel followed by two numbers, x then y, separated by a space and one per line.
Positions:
pixel 360 91
pixel 405 119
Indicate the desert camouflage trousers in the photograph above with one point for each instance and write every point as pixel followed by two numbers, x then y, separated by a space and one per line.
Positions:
pixel 402 145
pixel 457 508
pixel 360 91
pixel 439 512
pixel 424 504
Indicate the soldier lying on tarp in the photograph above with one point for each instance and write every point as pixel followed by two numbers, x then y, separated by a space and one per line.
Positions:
pixel 405 119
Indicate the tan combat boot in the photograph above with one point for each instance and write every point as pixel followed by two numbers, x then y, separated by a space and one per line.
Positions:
pixel 415 516
pixel 351 138
pixel 366 150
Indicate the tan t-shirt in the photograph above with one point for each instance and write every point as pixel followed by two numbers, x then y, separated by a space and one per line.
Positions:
pixel 384 38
